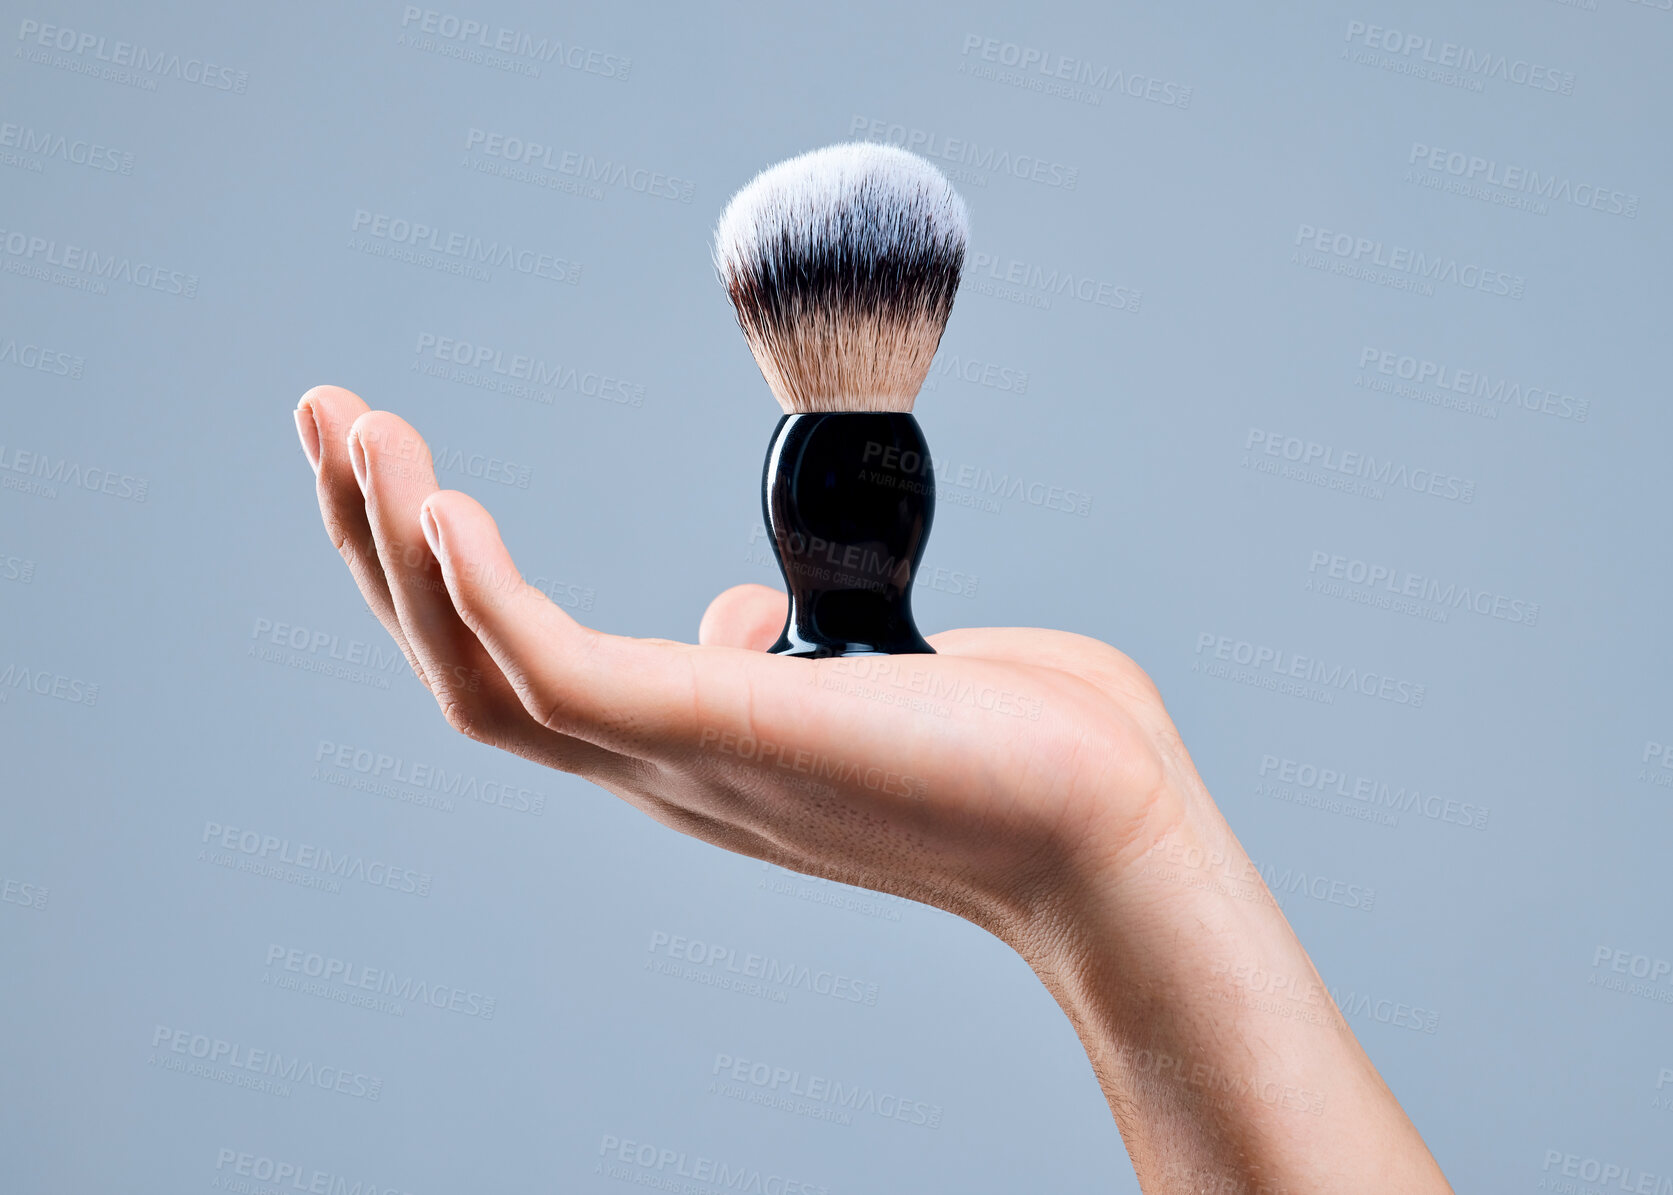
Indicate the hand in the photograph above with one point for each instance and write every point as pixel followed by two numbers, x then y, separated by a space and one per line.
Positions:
pixel 982 779
pixel 1030 781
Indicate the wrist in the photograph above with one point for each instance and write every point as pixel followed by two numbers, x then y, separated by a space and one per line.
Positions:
pixel 1223 1058
pixel 1137 914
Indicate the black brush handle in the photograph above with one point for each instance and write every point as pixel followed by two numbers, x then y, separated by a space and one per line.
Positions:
pixel 848 497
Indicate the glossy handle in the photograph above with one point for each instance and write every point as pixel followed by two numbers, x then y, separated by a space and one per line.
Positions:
pixel 848 498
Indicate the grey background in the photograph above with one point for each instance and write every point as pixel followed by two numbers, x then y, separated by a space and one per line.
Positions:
pixel 118 930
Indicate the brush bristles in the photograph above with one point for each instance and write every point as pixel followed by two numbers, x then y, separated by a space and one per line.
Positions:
pixel 842 265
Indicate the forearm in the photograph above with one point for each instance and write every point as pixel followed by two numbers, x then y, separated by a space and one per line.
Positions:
pixel 1224 1061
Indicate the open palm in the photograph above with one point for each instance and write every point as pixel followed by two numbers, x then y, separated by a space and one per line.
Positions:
pixel 975 779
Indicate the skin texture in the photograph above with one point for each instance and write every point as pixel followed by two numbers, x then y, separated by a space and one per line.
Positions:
pixel 1030 781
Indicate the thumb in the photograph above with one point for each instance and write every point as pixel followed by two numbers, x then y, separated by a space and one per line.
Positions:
pixel 748 616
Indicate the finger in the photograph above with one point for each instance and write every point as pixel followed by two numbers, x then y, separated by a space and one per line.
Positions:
pixel 748 616
pixel 819 768
pixel 393 465
pixel 393 470
pixel 674 705
pixel 637 696
pixel 332 411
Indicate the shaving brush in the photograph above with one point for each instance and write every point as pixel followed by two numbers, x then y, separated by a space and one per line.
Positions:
pixel 842 265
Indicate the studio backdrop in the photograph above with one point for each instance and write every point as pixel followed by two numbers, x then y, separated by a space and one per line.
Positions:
pixel 1314 355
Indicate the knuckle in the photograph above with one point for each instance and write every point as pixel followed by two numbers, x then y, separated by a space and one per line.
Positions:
pixel 467 605
pixel 467 717
pixel 348 545
pixel 480 593
pixel 547 709
pixel 549 705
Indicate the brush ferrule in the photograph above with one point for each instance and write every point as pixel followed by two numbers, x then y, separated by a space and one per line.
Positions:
pixel 848 499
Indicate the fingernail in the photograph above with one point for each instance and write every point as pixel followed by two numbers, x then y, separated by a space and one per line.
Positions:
pixel 432 535
pixel 357 458
pixel 307 428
